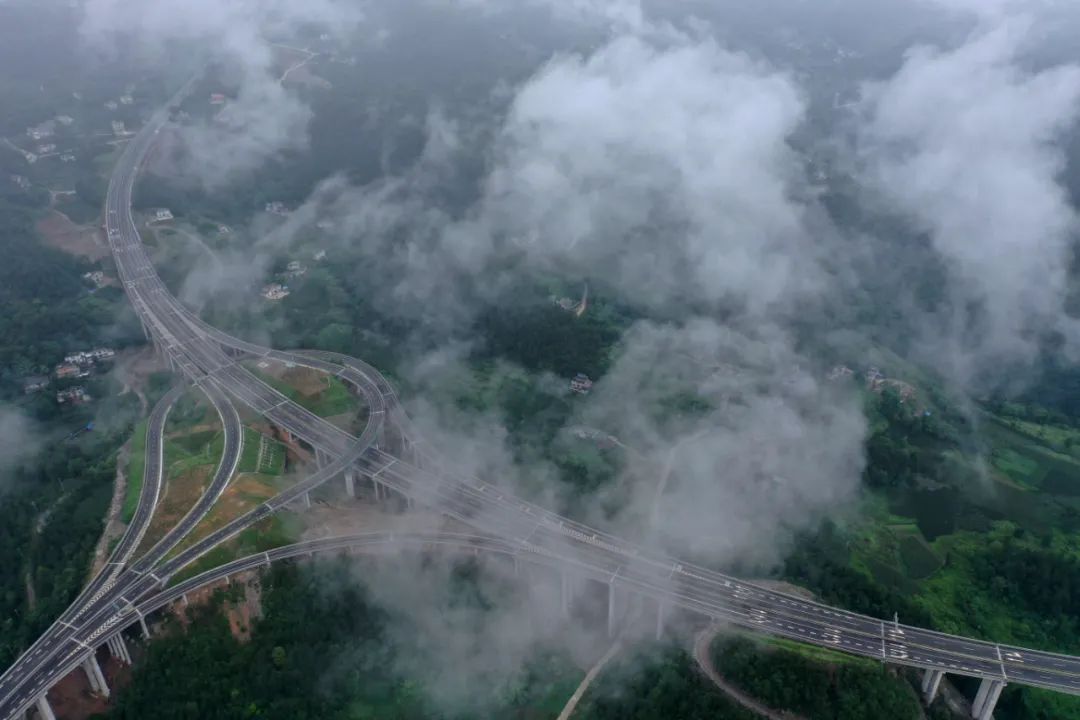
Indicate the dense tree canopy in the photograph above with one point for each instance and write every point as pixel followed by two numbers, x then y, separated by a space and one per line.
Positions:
pixel 319 652
pixel 787 680
pixel 664 686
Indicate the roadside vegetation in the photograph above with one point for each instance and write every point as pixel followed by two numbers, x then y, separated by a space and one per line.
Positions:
pixel 135 472
pixel 282 528
pixel 192 449
pixel 259 477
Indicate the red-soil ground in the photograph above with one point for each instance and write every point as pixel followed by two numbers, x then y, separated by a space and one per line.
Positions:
pixel 71 698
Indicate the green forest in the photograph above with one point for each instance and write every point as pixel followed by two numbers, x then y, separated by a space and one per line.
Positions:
pixel 843 689
pixel 47 307
pixel 320 651
pixel 53 501
pixel 657 683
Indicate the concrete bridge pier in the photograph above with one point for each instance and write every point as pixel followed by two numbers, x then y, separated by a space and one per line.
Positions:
pixel 411 452
pixel 91 676
pixel 986 699
pixel 566 591
pixel 144 627
pixel 612 614
pixel 44 708
pixel 661 611
pixel 350 482
pixel 307 500
pixel 931 681
pixel 96 677
pixel 118 649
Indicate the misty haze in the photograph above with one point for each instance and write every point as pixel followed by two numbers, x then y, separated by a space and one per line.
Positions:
pixel 539 360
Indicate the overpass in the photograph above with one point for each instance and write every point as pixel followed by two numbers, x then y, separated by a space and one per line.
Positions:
pixel 389 453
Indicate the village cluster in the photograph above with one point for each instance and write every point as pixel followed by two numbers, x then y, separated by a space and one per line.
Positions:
pixel 877 382
pixel 295 269
pixel 76 365
pixel 43 134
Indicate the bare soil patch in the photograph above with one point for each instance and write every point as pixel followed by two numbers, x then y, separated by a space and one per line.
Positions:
pixel 178 496
pixel 194 429
pixel 349 422
pixel 305 381
pixel 242 614
pixel 71 698
pixel 243 493
pixel 324 520
pixel 114 526
pixel 786 587
pixel 81 240
pixel 202 596
pixel 134 368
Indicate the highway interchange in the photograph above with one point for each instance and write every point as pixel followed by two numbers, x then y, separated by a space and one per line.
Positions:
pixel 390 452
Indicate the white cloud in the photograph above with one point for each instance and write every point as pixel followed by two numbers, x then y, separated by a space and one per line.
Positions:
pixel 619 15
pixel 995 9
pixel 17 440
pixel 966 144
pixel 779 450
pixel 264 118
pixel 666 166
pixel 669 167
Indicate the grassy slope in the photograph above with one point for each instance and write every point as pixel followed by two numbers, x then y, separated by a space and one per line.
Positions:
pixel 334 399
pixel 135 469
pixel 192 449
pixel 1030 480
pixel 272 532
pixel 249 458
pixel 273 462
pixel 1026 454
